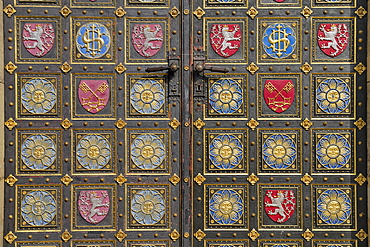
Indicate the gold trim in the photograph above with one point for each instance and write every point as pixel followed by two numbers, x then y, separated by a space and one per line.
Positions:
pixel 186 235
pixel 308 235
pixel 199 179
pixel 120 68
pixel 199 235
pixel 199 12
pixel 174 235
pixel 360 68
pixel 66 124
pixel 66 236
pixel 252 12
pixel 120 124
pixel 362 235
pixel 253 124
pixel 199 124
pixel 253 179
pixel 65 11
pixel 306 68
pixel 360 179
pixel 174 179
pixel 307 179
pixel 10 67
pixel 306 124
pixel 65 67
pixel 360 123
pixel 10 123
pixel 120 12
pixel 306 12
pixel 252 68
pixel 120 235
pixel 120 179
pixel 10 237
pixel 11 180
pixel 174 123
pixel 361 12
pixel 174 12
pixel 9 10
pixel 66 180
pixel 253 234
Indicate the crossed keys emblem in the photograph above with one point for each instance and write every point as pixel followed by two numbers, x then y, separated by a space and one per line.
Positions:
pixel 88 103
pixel 274 103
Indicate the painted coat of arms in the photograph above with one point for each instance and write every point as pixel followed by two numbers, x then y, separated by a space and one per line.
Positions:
pixel 93 95
pixel 147 39
pixel 333 38
pixel 38 38
pixel 225 39
pixel 93 205
pixel 279 94
pixel 280 204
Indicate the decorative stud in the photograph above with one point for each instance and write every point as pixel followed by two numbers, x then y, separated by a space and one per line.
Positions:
pixel 253 179
pixel 252 68
pixel 199 235
pixel 174 123
pixel 10 237
pixel 66 180
pixel 253 234
pixel 306 68
pixel 360 123
pixel 361 12
pixel 120 124
pixel 252 12
pixel 120 235
pixel 199 179
pixel 306 12
pixel 11 180
pixel 120 179
pixel 10 123
pixel 174 235
pixel 66 124
pixel 174 12
pixel 65 68
pixel 362 235
pixel 306 179
pixel 306 124
pixel 308 235
pixel 66 236
pixel 120 12
pixel 360 179
pixel 360 68
pixel 174 179
pixel 9 10
pixel 199 12
pixel 199 124
pixel 65 11
pixel 120 68
pixel 253 124
pixel 10 67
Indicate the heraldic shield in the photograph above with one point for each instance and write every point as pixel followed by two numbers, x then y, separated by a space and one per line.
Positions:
pixel 147 39
pixel 279 94
pixel 93 94
pixel 38 38
pixel 280 204
pixel 225 39
pixel 333 38
pixel 93 205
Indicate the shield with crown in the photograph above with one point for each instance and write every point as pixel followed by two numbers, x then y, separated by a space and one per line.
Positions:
pixel 333 38
pixel 147 39
pixel 225 39
pixel 280 204
pixel 93 205
pixel 38 38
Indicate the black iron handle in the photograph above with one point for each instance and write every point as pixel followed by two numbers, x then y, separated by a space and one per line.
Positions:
pixel 200 68
pixel 172 68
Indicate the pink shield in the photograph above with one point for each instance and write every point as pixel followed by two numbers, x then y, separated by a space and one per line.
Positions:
pixel 93 205
pixel 38 38
pixel 225 39
pixel 279 94
pixel 147 39
pixel 93 94
pixel 280 204
pixel 279 1
pixel 333 38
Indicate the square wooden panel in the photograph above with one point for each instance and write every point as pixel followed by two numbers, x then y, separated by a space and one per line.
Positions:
pixel 227 242
pixel 154 243
pixel 217 4
pixel 147 4
pixel 271 4
pixel 279 243
pixel 38 243
pixel 96 4
pixel 100 243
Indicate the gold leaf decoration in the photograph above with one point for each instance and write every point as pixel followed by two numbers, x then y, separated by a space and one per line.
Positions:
pixel 120 179
pixel 360 179
pixel 252 12
pixel 120 68
pixel 199 124
pixel 253 124
pixel 306 179
pixel 253 179
pixel 360 68
pixel 65 11
pixel 306 12
pixel 308 235
pixel 199 235
pixel 120 12
pixel 174 12
pixel 65 67
pixel 199 12
pixel 306 124
pixel 120 235
pixel 10 237
pixel 66 236
pixel 174 179
pixel 361 12
pixel 66 124
pixel 362 235
pixel 120 124
pixel 9 10
pixel 360 123
pixel 11 180
pixel 253 234
pixel 10 123
pixel 306 68
pixel 252 68
pixel 66 180
pixel 174 123
pixel 10 67
pixel 174 235
pixel 199 179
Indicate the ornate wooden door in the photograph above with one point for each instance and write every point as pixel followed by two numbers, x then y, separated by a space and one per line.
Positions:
pixel 185 123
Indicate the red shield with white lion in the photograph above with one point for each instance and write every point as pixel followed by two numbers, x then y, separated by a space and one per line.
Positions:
pixel 147 39
pixel 38 38
pixel 225 39
pixel 93 205
pixel 332 38
pixel 280 204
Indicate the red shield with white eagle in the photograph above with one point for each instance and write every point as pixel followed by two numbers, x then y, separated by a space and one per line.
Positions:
pixel 333 38
pixel 280 204
pixel 93 94
pixel 93 205
pixel 225 39
pixel 279 94
pixel 147 39
pixel 38 38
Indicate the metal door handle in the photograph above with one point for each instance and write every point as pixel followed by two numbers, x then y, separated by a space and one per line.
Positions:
pixel 200 68
pixel 172 68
